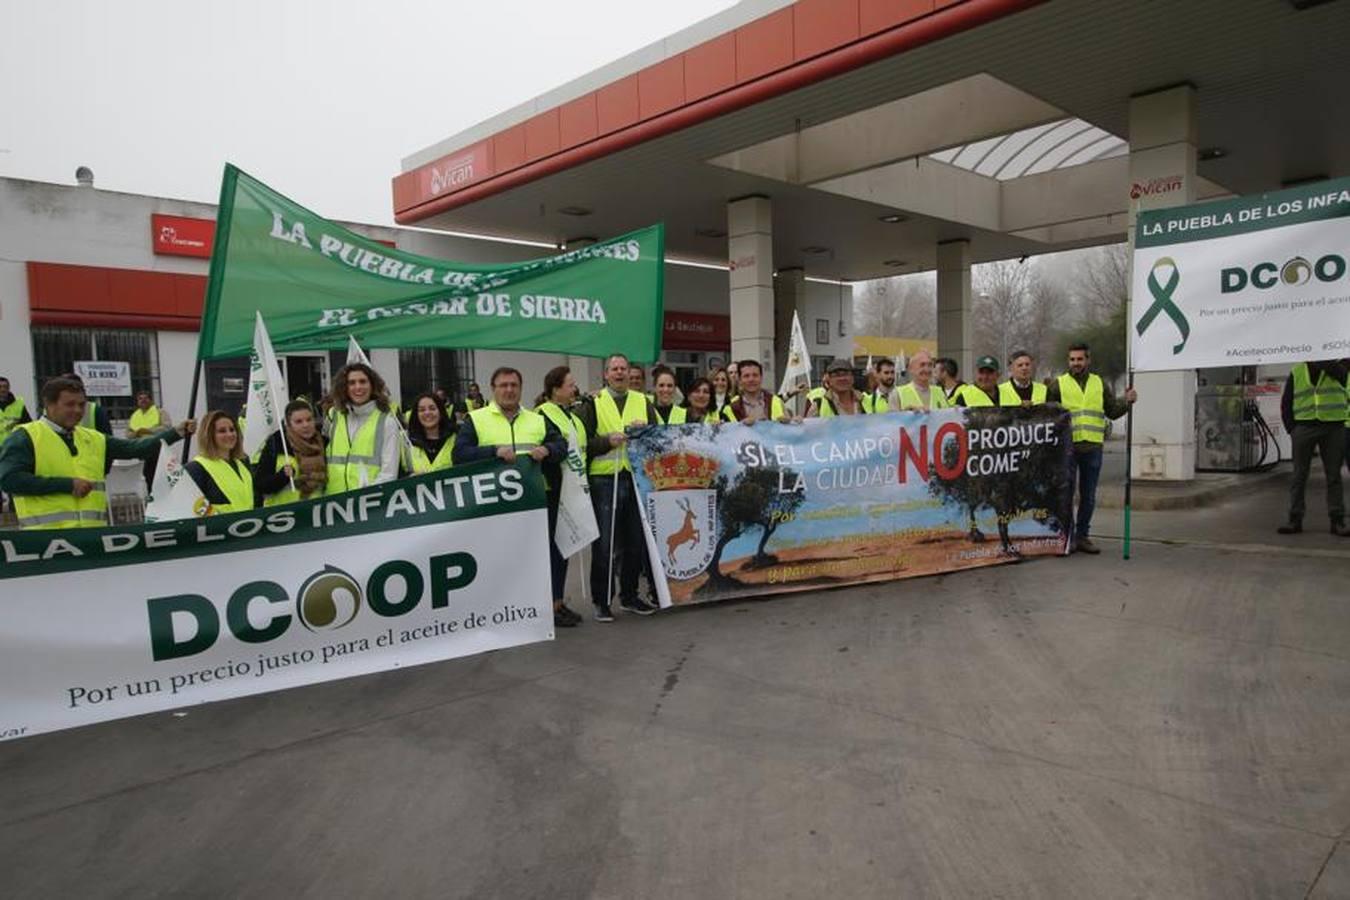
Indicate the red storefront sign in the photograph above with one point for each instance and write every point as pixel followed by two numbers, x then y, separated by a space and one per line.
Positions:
pixel 181 236
pixel 696 331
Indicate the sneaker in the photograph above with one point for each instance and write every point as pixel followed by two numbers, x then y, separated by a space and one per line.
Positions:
pixel 637 605
pixel 1339 529
pixel 1293 526
pixel 603 613
pixel 570 613
pixel 1085 545
pixel 563 621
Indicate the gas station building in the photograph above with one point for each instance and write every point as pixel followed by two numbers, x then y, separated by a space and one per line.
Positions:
pixel 807 145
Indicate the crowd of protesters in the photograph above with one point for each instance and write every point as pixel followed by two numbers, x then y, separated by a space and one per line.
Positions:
pixel 357 436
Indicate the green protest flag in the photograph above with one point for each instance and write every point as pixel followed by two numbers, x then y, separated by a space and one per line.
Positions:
pixel 318 284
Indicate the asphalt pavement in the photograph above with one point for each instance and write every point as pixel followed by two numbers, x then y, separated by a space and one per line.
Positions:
pixel 1176 725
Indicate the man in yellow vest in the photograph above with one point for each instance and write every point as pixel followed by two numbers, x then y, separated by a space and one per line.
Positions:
pixel 1020 389
pixel 95 416
pixel 622 545
pixel 920 393
pixel 504 429
pixel 841 398
pixel 55 468
pixel 1090 402
pixel 984 392
pixel 945 371
pixel 1313 409
pixel 13 413
pixel 875 400
pixel 147 419
pixel 473 399
pixel 753 404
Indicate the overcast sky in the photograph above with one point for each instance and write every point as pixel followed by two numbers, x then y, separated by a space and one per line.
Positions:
pixel 321 100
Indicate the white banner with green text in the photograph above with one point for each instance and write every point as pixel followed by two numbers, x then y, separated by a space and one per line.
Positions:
pixel 104 623
pixel 1252 281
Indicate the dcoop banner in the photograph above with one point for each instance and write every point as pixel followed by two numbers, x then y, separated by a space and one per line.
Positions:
pixel 1257 280
pixel 733 510
pixel 317 284
pixel 104 623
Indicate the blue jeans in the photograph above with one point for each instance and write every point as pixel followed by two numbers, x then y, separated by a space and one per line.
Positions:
pixel 1086 470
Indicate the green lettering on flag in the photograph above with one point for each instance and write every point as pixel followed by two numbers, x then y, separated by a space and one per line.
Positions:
pixel 318 284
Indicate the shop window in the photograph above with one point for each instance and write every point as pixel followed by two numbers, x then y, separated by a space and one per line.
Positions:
pixel 57 349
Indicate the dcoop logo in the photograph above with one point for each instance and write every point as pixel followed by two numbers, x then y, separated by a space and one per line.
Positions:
pixel 1294 273
pixel 328 600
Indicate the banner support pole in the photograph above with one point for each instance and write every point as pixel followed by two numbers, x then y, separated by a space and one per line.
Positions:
pixel 192 409
pixel 1129 453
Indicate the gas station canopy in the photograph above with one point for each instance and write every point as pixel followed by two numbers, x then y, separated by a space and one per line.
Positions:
pixel 882 128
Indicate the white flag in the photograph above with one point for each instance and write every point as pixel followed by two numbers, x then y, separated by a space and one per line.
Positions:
pixel 576 516
pixel 797 372
pixel 354 352
pixel 264 392
pixel 173 495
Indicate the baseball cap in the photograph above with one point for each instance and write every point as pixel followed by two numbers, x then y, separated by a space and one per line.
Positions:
pixel 987 362
pixel 839 364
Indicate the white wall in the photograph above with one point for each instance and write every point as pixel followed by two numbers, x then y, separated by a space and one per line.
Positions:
pixel 834 303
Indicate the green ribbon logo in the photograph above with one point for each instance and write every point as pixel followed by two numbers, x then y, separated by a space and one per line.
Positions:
pixel 1162 302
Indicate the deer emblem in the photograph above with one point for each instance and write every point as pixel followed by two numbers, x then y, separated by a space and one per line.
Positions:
pixel 687 533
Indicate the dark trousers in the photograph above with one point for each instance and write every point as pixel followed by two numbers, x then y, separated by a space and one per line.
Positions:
pixel 1328 438
pixel 629 546
pixel 1085 469
pixel 557 563
pixel 148 470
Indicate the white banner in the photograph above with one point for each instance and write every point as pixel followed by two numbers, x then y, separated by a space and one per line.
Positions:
pixel 104 379
pixel 1252 281
pixel 104 623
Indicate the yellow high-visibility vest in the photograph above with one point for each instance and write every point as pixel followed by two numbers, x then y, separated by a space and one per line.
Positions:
pixel 563 420
pixel 676 416
pixel 1086 406
pixel 825 406
pixel 1323 402
pixel 287 494
pixel 907 395
pixel 52 459
pixel 144 419
pixel 10 416
pixel 420 463
pixel 355 462
pixel 609 419
pixel 1008 396
pixel 775 407
pixel 974 396
pixel 234 481
pixel 523 433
